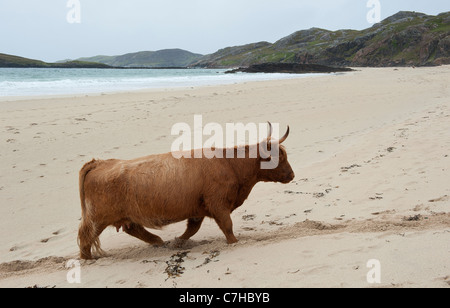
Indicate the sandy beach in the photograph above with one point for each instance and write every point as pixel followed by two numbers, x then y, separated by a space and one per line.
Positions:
pixel 371 154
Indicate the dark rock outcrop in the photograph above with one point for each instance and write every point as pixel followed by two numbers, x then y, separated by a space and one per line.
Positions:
pixel 291 68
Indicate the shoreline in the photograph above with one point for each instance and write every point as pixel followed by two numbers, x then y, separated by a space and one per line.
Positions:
pixel 101 84
pixel 158 89
pixel 370 151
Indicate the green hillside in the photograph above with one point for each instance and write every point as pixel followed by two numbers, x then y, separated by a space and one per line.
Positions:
pixel 160 58
pixel 14 61
pixel 20 62
pixel 406 38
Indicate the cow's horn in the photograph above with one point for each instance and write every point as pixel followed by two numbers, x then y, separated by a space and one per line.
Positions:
pixel 269 133
pixel 284 137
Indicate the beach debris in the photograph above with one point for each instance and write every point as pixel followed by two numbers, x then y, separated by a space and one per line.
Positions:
pixel 390 149
pixel 413 218
pixel 318 195
pixel 314 194
pixel 443 198
pixel 377 196
pixel 384 212
pixel 345 169
pixel 289 216
pixel 150 261
pixel 293 192
pixel 248 217
pixel 296 182
pixel 274 222
pixel 210 258
pixel 39 287
pixel 174 268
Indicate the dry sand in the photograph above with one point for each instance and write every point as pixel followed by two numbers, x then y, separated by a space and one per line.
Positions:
pixel 371 153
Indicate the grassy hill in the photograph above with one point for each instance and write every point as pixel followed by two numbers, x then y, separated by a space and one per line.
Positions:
pixel 147 59
pixel 406 38
pixel 14 61
pixel 20 62
pixel 160 58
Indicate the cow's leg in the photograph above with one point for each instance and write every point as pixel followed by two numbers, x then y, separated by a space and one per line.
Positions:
pixel 142 234
pixel 193 226
pixel 88 236
pixel 223 220
pixel 85 241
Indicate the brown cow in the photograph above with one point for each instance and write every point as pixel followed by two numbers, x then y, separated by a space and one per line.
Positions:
pixel 159 190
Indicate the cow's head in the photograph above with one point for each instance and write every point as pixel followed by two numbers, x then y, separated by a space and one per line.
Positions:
pixel 274 161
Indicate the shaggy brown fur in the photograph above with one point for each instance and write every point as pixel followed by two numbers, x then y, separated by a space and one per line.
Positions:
pixel 158 190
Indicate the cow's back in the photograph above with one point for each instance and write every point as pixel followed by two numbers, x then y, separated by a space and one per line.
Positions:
pixel 153 191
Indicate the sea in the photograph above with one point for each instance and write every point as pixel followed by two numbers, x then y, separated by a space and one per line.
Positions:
pixel 54 81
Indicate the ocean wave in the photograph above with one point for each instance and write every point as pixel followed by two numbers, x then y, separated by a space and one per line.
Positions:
pixel 76 82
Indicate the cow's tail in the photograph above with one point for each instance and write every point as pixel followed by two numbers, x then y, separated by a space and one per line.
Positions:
pixel 83 173
pixel 87 235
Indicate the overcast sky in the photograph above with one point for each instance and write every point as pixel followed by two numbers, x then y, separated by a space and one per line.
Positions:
pixel 39 29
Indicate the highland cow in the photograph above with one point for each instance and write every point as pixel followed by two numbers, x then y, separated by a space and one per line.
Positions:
pixel 158 190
